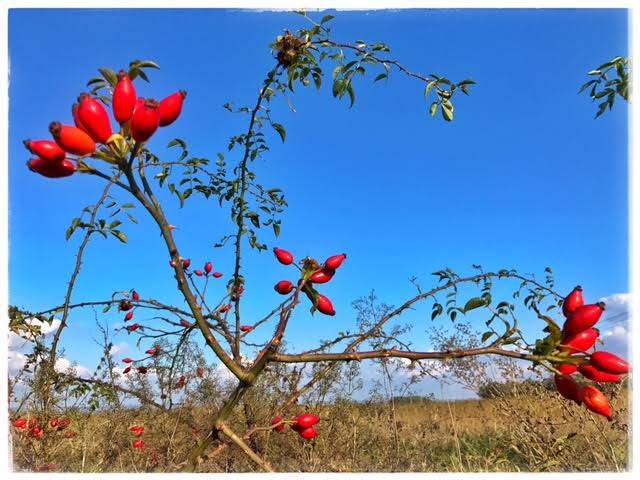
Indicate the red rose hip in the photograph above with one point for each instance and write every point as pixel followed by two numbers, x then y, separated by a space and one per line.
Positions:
pixel 332 263
pixel 610 363
pixel 124 98
pixel 595 401
pixel 284 287
pixel 45 149
pixel 324 305
pixel 72 139
pixel 171 107
pixel 582 318
pixel 581 341
pixel 283 256
pixel 572 301
pixel 94 118
pixel 145 120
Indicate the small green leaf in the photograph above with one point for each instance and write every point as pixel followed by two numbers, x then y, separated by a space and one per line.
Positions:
pixel 474 303
pixel 281 131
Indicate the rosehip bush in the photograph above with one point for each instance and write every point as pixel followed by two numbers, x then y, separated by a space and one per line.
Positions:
pixel 121 155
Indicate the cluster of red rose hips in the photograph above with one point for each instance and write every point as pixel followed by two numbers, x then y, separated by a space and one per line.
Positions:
pixel 302 424
pixel 138 117
pixel 312 273
pixel 579 336
pixel 35 430
pixel 137 431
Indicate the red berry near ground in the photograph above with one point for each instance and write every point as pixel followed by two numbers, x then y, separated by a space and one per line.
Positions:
pixel 284 287
pixel 94 118
pixel 72 139
pixel 592 373
pixel 208 267
pixel 127 360
pixel 53 423
pixel 217 274
pixel 70 435
pixel 186 263
pixel 171 107
pixel 200 372
pixel 279 428
pixel 582 318
pixel 124 98
pixel 45 149
pixel 567 387
pixel 322 276
pixel 198 273
pixel 145 120
pixel 567 369
pixel 137 430
pixel 610 363
pixel 134 296
pixel 324 305
pixel 308 433
pixel 139 444
pixel 595 401
pixel 49 169
pixel 36 432
pixel 332 263
pixel 572 301
pixel 581 341
pixel 307 420
pixel 128 316
pixel 246 328
pixel 20 423
pixel 283 256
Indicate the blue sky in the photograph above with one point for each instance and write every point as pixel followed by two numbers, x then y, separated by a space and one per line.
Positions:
pixel 524 177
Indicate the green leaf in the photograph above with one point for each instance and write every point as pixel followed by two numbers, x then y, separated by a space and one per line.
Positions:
pixel 119 235
pixel 433 109
pixel 109 75
pixel 276 229
pixel 326 18
pixel 485 336
pixel 474 303
pixel 381 77
pixel 281 131
pixel 447 110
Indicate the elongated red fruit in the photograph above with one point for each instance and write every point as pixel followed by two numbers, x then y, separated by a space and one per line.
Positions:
pixel 246 328
pixel 307 420
pixel 324 305
pixel 332 263
pixel 137 430
pixel 45 149
pixel 308 433
pixel 171 107
pixel 139 444
pixel 128 316
pixel 284 287
pixel 592 373
pixel 124 98
pixel 208 267
pixel 76 118
pixel 49 169
pixel 322 276
pixel 94 118
pixel 135 296
pixel 567 369
pixel 283 256
pixel 582 318
pixel 127 360
pixel 567 387
pixel 145 120
pixel 595 401
pixel 610 363
pixel 572 301
pixel 279 428
pixel 581 341
pixel 72 139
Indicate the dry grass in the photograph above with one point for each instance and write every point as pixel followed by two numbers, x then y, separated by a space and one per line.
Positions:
pixel 525 433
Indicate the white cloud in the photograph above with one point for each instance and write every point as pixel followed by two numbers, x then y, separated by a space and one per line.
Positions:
pixel 16 361
pixel 121 348
pixel 614 326
pixel 63 365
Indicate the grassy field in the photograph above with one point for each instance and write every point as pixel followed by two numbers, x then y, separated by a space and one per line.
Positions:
pixel 515 433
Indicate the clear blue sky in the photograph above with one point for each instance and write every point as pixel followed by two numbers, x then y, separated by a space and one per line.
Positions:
pixel 524 177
